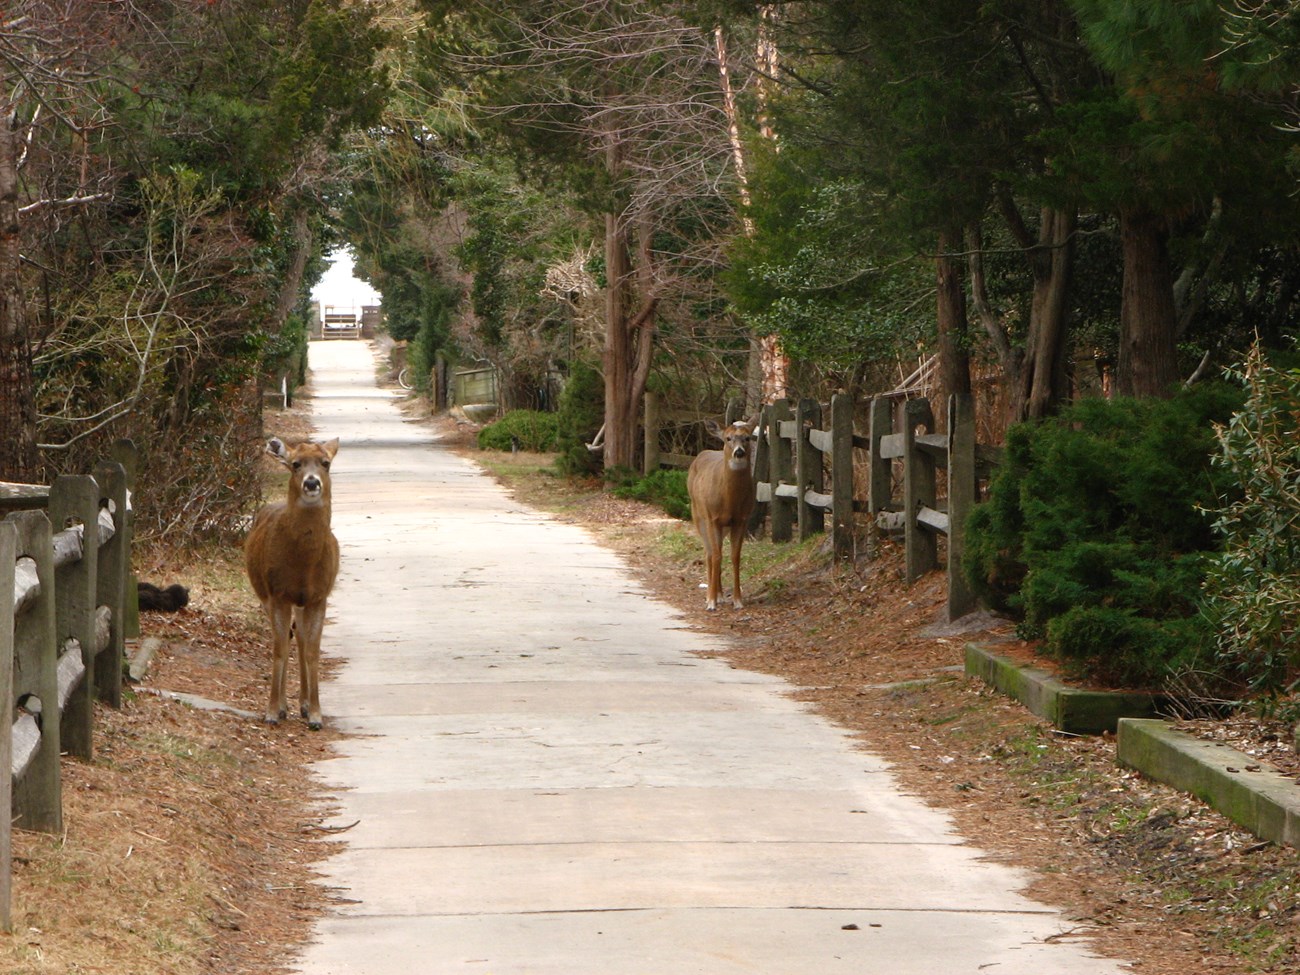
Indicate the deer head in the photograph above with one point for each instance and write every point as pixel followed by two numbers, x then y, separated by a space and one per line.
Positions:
pixel 309 465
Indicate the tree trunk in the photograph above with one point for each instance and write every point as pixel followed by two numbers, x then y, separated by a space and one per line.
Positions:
pixel 1035 372
pixel 953 325
pixel 18 457
pixel 1148 362
pixel 291 285
pixel 1045 378
pixel 619 421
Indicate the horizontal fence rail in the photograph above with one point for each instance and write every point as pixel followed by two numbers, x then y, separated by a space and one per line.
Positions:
pixel 805 471
pixel 64 574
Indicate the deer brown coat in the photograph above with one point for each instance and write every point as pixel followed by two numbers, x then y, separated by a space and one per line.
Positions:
pixel 292 558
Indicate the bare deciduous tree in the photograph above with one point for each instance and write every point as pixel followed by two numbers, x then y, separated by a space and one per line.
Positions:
pixel 636 90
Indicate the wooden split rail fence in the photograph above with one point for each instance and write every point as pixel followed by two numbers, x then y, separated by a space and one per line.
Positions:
pixel 64 573
pixel 806 470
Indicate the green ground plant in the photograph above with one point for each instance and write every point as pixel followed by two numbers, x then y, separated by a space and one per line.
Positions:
pixel 1096 536
pixel 1252 587
pixel 528 429
pixel 665 488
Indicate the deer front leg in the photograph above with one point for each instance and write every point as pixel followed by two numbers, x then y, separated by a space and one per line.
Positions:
pixel 712 563
pixel 311 623
pixel 281 616
pixel 737 540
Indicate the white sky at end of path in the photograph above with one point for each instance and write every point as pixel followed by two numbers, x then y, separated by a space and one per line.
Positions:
pixel 339 288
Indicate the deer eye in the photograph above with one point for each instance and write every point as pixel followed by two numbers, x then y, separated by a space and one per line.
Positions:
pixel 297 464
pixel 325 464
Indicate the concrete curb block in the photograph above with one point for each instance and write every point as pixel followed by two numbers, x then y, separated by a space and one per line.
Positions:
pixel 1070 709
pixel 1252 794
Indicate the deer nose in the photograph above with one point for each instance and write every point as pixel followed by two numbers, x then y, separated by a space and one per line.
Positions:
pixel 311 484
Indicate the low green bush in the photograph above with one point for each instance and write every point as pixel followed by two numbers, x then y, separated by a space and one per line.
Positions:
pixel 666 488
pixel 535 431
pixel 1096 532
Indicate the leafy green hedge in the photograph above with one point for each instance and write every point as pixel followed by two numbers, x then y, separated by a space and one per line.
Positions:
pixel 1096 532
pixel 1252 590
pixel 666 488
pixel 535 430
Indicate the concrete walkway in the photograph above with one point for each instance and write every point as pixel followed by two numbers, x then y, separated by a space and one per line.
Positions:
pixel 548 780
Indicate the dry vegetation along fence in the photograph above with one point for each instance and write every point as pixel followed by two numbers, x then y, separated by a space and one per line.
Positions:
pixel 63 618
pixel 806 470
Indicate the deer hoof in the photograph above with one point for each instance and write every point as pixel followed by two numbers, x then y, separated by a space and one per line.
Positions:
pixel 271 720
pixel 313 725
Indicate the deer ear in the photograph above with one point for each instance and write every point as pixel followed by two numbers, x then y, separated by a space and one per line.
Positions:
pixel 331 448
pixel 711 425
pixel 276 448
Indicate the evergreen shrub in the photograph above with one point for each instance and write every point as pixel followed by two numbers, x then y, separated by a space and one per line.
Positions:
pixel 580 415
pixel 535 431
pixel 1096 535
pixel 665 488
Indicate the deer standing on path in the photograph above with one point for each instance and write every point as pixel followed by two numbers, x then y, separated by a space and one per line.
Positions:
pixel 292 558
pixel 721 486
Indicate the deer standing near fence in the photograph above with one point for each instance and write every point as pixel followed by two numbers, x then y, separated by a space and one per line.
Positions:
pixel 292 558
pixel 721 487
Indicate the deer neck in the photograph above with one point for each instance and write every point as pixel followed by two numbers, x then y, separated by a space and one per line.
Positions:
pixel 310 512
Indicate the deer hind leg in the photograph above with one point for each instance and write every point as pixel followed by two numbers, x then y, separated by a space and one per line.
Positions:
pixel 311 621
pixel 281 617
pixel 737 540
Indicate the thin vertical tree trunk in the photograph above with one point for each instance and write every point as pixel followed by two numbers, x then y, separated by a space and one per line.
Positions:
pixel 769 367
pixel 18 457
pixel 951 316
pixel 1046 379
pixel 619 425
pixel 290 287
pixel 1035 373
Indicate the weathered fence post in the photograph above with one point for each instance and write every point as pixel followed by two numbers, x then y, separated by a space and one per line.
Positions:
pixel 37 796
pixel 762 467
pixel 921 547
pixel 8 555
pixel 125 454
pixel 781 466
pixel 651 421
pixel 842 534
pixel 809 473
pixel 116 587
pixel 880 480
pixel 74 499
pixel 961 498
